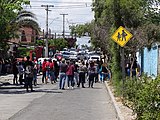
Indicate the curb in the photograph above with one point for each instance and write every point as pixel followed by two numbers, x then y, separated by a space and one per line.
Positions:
pixel 118 112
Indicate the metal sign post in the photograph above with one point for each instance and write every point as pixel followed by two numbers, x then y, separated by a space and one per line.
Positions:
pixel 121 36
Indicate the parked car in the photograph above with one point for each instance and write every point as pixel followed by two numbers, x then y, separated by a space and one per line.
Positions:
pixel 94 57
pixel 58 56
pixel 66 55
pixel 73 56
pixel 82 56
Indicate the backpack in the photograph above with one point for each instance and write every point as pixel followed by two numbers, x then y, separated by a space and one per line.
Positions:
pixel 29 71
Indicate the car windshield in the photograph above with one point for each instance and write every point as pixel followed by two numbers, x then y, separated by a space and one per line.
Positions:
pixel 94 57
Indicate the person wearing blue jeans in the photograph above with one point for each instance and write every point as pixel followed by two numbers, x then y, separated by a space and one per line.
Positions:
pixel 62 74
pixel 62 78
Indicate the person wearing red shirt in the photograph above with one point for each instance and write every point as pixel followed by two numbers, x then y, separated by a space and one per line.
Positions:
pixel 52 70
pixel 44 70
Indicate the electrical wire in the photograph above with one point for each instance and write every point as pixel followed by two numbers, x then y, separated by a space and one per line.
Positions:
pixel 59 2
pixel 59 8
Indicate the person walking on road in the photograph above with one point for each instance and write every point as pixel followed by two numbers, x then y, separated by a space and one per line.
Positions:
pixel 70 75
pixel 62 74
pixel 91 72
pixel 35 74
pixel 44 70
pixel 76 74
pixel 52 69
pixel 56 70
pixel 21 73
pixel 29 74
pixel 82 72
pixel 15 72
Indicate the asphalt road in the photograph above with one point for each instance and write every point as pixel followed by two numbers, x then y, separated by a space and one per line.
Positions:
pixel 77 104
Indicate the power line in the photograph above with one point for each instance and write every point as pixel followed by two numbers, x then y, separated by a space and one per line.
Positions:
pixel 60 2
pixel 65 7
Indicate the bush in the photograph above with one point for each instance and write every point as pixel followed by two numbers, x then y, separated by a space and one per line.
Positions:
pixel 144 96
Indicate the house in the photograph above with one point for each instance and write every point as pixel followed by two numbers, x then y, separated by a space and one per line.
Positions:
pixel 27 36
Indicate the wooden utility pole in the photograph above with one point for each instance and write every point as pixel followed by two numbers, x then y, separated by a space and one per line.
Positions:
pixel 64 24
pixel 47 9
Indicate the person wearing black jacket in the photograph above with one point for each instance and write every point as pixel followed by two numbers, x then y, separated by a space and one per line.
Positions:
pixel 28 74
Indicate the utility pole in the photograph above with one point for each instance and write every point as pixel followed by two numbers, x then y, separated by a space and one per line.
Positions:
pixel 47 9
pixel 64 24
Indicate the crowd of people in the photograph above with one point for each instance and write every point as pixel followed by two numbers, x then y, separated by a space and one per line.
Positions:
pixel 67 72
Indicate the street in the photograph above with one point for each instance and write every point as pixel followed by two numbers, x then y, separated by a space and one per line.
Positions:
pixel 50 103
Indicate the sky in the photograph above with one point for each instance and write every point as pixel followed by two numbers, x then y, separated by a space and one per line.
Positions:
pixel 79 12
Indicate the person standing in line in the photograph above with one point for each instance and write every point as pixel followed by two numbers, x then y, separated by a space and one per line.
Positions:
pixel 21 72
pixel 56 70
pixel 104 72
pixel 82 72
pixel 91 72
pixel 97 65
pixel 28 74
pixel 62 74
pixel 39 66
pixel 47 66
pixel 70 75
pixel 44 70
pixel 51 72
pixel 76 74
pixel 15 72
pixel 35 73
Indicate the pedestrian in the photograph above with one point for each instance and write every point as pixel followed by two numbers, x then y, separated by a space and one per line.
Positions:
pixel 39 66
pixel 52 69
pixel 56 70
pixel 15 72
pixel 21 73
pixel 104 72
pixel 47 67
pixel 91 73
pixel 82 72
pixel 44 70
pixel 62 74
pixel 35 73
pixel 70 75
pixel 76 74
pixel 28 74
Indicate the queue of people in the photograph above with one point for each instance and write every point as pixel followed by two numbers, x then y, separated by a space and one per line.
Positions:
pixel 68 73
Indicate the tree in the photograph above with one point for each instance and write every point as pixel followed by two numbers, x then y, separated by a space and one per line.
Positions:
pixel 8 12
pixel 135 15
pixel 58 43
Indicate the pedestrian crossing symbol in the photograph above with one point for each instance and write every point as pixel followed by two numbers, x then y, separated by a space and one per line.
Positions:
pixel 121 36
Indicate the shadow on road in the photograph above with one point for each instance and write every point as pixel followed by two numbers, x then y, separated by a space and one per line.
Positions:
pixel 19 89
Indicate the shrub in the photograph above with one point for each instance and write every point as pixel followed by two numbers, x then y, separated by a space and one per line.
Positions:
pixel 144 96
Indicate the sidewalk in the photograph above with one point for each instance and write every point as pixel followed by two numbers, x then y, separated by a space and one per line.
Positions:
pixel 123 112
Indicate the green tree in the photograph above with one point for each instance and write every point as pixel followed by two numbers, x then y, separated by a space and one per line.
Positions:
pixel 8 14
pixel 58 43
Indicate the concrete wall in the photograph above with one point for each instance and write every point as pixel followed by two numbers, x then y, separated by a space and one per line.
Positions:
pixel 148 60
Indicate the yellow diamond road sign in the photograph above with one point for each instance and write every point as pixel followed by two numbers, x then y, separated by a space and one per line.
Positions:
pixel 121 36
